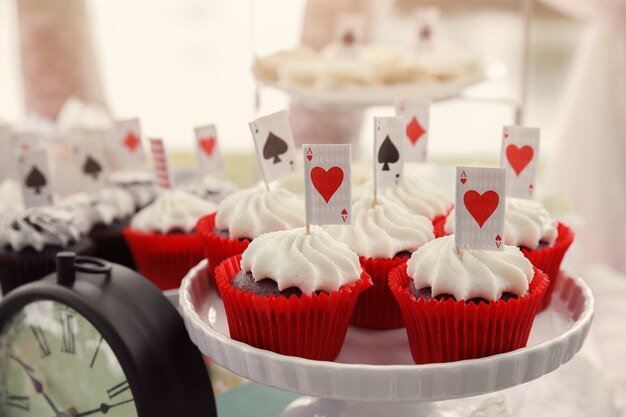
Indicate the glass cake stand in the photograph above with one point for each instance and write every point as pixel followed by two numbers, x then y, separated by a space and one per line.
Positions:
pixel 374 374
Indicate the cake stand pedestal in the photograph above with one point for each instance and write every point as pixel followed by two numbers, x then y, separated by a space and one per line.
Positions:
pixel 374 374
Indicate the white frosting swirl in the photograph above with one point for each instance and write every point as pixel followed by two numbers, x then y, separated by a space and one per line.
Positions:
pixel 172 210
pixel 140 184
pixel 102 207
pixel 469 273
pixel 40 227
pixel 382 230
pixel 415 194
pixel 526 223
pixel 210 188
pixel 314 262
pixel 252 212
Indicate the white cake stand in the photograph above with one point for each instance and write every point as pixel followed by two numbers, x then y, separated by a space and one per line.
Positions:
pixel 374 374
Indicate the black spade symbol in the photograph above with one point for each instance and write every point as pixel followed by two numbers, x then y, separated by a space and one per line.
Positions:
pixel 388 153
pixel 274 147
pixel 348 39
pixel 92 167
pixel 36 180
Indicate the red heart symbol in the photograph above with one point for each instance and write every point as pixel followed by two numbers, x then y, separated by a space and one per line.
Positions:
pixel 481 206
pixel 519 158
pixel 463 180
pixel 131 141
pixel 208 145
pixel 309 154
pixel 327 182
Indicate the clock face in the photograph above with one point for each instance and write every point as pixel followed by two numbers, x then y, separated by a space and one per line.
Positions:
pixel 54 363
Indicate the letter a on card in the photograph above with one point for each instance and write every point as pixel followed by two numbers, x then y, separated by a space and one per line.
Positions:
pixel 479 210
pixel 327 184
pixel 274 145
pixel 520 154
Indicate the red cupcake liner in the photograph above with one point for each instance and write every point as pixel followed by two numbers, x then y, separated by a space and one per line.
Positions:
pixel 310 327
pixel 217 248
pixel 376 307
pixel 549 259
pixel 439 223
pixel 164 259
pixel 447 331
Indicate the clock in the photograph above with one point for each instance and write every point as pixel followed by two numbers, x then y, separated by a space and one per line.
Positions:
pixel 97 339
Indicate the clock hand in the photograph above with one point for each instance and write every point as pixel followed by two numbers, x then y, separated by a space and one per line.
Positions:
pixel 104 408
pixel 37 384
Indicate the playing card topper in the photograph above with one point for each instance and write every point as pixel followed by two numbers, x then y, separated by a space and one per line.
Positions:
pixel 210 159
pixel 388 151
pixel 274 145
pixel 127 145
pixel 327 183
pixel 159 159
pixel 479 209
pixel 350 32
pixel 417 114
pixel 89 157
pixel 427 22
pixel 520 155
pixel 26 140
pixel 34 177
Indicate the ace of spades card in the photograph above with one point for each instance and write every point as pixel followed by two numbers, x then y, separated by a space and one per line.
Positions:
pixel 88 149
pixel 128 146
pixel 389 135
pixel 427 21
pixel 273 141
pixel 210 160
pixel 520 155
pixel 34 177
pixel 349 32
pixel 327 183
pixel 417 114
pixel 479 209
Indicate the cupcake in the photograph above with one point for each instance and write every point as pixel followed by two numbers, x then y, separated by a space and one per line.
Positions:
pixel 30 241
pixel 108 211
pixel 529 226
pixel 292 293
pixel 383 235
pixel 162 237
pixel 210 188
pixel 243 216
pixel 463 304
pixel 417 196
pixel 140 184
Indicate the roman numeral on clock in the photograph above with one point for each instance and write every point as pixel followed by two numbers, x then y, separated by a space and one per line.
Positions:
pixel 21 402
pixel 118 389
pixel 67 328
pixel 40 337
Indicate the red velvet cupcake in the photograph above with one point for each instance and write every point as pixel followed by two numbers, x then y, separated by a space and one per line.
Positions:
pixel 162 238
pixel 466 304
pixel 243 216
pixel 383 235
pixel 529 226
pixel 292 293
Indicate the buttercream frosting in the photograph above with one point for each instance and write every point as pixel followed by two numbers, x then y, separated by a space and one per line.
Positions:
pixel 467 274
pixel 40 227
pixel 526 223
pixel 102 207
pixel 10 197
pixel 172 210
pixel 254 211
pixel 140 184
pixel 415 194
pixel 382 230
pixel 311 263
pixel 210 188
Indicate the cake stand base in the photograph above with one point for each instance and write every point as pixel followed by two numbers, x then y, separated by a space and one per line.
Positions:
pixel 320 407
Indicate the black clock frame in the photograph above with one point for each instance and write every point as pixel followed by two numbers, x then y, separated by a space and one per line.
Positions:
pixel 165 371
